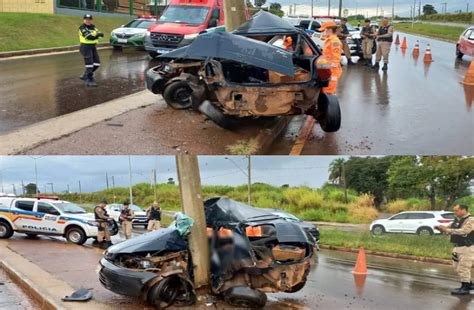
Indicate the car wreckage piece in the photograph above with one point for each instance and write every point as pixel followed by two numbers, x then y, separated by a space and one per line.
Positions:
pixel 265 68
pixel 252 252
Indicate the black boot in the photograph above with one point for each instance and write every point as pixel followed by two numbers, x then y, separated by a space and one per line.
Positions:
pixel 385 67
pixel 91 82
pixel 349 61
pixel 463 290
pixel 472 286
pixel 376 66
pixel 83 77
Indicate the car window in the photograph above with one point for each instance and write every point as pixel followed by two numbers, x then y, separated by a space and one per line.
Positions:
pixel 416 216
pixel 305 24
pixel 25 205
pixel 216 14
pixel 449 216
pixel 428 216
pixel 47 208
pixel 471 35
pixel 402 216
pixel 315 26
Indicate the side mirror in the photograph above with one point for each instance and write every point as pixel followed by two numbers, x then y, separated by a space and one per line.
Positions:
pixel 212 23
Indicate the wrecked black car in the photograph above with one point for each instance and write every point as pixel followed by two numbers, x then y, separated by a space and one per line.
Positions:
pixel 265 68
pixel 252 252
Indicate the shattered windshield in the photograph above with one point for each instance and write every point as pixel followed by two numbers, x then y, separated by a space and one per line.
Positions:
pixel 185 14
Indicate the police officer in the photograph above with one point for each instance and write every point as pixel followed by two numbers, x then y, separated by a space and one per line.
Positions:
pixel 462 235
pixel 384 39
pixel 126 217
pixel 332 53
pixel 343 34
pixel 367 34
pixel 154 216
pixel 89 36
pixel 102 218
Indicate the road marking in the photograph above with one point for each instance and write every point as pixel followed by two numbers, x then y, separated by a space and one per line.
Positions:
pixel 305 133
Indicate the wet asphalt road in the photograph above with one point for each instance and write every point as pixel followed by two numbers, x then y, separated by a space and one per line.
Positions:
pixel 12 297
pixel 38 88
pixel 412 109
pixel 390 284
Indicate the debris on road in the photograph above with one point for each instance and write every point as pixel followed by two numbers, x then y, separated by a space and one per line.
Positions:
pixel 81 294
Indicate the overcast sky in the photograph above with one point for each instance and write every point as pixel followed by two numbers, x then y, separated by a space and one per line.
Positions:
pixel 402 7
pixel 90 170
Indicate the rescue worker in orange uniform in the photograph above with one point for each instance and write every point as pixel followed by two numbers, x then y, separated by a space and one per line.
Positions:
pixel 332 51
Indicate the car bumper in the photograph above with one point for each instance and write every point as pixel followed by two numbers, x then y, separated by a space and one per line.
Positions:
pixel 135 42
pixel 123 281
pixel 140 221
pixel 154 81
pixel 160 50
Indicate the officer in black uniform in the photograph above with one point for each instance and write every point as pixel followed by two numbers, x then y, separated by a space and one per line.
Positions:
pixel 89 37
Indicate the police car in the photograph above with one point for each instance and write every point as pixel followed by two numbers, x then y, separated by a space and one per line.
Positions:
pixel 47 215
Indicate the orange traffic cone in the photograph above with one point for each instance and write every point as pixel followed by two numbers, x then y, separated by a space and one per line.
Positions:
pixel 469 78
pixel 361 264
pixel 397 40
pixel 428 58
pixel 404 44
pixel 416 49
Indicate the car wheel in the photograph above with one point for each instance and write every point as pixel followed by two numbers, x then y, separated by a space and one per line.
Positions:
pixel 153 54
pixel 216 115
pixel 424 231
pixel 378 230
pixel 31 236
pixel 173 289
pixel 245 297
pixel 328 113
pixel 76 235
pixel 459 54
pixel 6 231
pixel 177 95
pixel 117 47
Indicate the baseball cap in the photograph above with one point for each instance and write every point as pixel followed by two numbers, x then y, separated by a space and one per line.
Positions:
pixel 327 25
pixel 87 16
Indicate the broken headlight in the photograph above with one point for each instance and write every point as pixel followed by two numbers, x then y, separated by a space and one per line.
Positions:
pixel 259 231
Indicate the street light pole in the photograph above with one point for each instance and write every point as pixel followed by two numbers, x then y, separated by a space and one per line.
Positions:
pixel 249 181
pixel 80 192
pixel 340 8
pixel 130 178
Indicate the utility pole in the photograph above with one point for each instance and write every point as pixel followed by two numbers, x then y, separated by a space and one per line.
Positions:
pixel 419 9
pixel 294 9
pixel 234 12
pixel 329 7
pixel 377 10
pixel 312 8
pixel 393 9
pixel 154 185
pixel 52 187
pixel 113 187
pixel 130 178
pixel 343 176
pixel 249 180
pixel 80 192
pixel 22 188
pixel 68 189
pixel 192 205
pixel 107 180
pixel 340 8
pixel 14 189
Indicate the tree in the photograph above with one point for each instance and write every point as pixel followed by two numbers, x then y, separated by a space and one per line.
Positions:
pixel 429 9
pixel 260 3
pixel 335 171
pixel 170 181
pixel 275 8
pixel 30 189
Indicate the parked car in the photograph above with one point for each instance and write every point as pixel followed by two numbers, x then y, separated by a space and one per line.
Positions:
pixel 181 22
pixel 265 68
pixel 48 215
pixel 412 222
pixel 252 252
pixel 465 45
pixel 140 215
pixel 131 34
pixel 311 229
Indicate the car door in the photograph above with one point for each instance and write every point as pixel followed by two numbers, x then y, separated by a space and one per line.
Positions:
pixel 24 217
pixel 114 211
pixel 396 223
pixel 50 216
pixel 414 221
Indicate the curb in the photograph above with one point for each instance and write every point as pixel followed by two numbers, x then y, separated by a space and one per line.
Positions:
pixel 268 135
pixel 433 260
pixel 48 50
pixel 30 288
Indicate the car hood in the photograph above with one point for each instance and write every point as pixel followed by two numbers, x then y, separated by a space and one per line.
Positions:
pixel 228 46
pixel 307 225
pixel 176 28
pixel 265 23
pixel 129 30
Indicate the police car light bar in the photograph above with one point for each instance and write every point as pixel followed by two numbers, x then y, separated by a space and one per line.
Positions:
pixel 46 197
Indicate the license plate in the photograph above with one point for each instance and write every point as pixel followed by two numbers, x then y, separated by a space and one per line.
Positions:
pixel 122 40
pixel 162 51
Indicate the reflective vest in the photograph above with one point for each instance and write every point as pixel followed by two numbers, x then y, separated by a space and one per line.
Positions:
pixel 333 49
pixel 384 30
pixel 154 214
pixel 88 34
pixel 460 240
pixel 100 214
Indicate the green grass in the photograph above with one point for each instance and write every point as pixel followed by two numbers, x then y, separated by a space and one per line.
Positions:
pixel 424 246
pixel 22 31
pixel 436 31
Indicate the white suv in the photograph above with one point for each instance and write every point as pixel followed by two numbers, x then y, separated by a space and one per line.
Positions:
pixel 412 222
pixel 140 218
pixel 47 216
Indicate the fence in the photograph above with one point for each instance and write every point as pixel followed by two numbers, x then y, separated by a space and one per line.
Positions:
pixel 131 7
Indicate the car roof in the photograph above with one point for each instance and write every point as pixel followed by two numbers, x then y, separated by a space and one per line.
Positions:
pixel 41 199
pixel 265 22
pixel 434 212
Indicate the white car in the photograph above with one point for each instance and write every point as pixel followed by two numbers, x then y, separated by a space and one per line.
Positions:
pixel 47 215
pixel 412 222
pixel 140 216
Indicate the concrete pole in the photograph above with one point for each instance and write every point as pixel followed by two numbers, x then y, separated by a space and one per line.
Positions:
pixel 340 8
pixel 249 181
pixel 234 12
pixel 192 205
pixel 130 178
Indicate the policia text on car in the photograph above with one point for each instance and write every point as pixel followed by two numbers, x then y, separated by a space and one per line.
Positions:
pixel 89 37
pixel 462 235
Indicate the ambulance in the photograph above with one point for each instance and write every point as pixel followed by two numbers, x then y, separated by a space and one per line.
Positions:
pixel 181 22
pixel 47 215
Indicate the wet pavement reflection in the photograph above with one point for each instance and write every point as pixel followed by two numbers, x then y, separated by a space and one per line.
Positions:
pixel 39 88
pixel 414 108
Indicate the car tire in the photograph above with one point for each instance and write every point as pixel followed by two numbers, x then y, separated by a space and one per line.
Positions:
pixel 424 231
pixel 170 291
pixel 31 236
pixel 378 230
pixel 216 115
pixel 459 54
pixel 153 54
pixel 245 297
pixel 178 94
pixel 6 231
pixel 328 113
pixel 117 47
pixel 76 235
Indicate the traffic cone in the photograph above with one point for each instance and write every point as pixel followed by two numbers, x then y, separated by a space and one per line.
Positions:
pixel 428 58
pixel 361 264
pixel 397 40
pixel 416 49
pixel 404 44
pixel 469 78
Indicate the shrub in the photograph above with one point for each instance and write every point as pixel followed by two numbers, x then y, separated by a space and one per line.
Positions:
pixel 396 206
